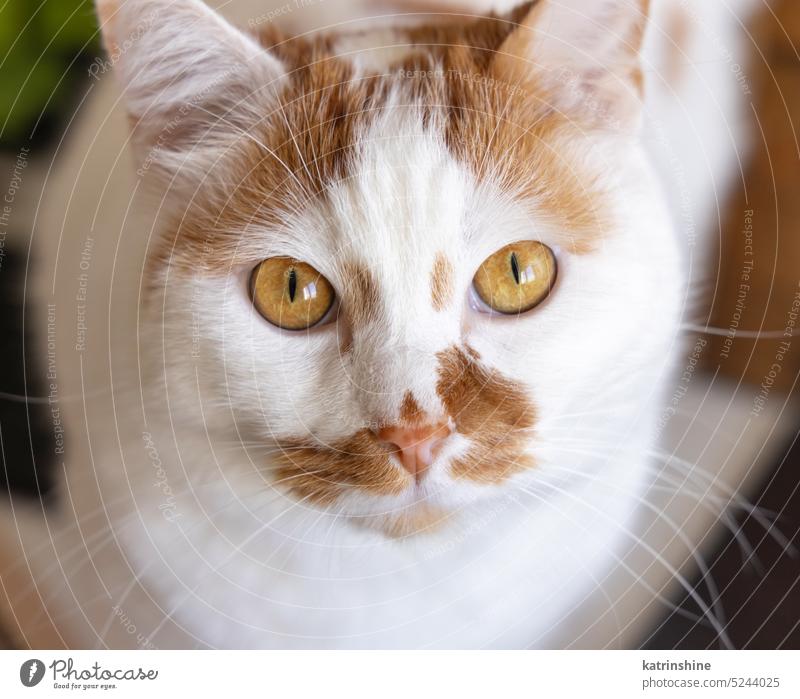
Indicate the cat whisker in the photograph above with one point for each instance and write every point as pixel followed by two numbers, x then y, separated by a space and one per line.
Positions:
pixel 715 504
pixel 705 578
pixel 695 472
pixel 735 498
pixel 636 577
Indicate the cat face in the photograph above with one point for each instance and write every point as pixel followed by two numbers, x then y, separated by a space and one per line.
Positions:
pixel 398 286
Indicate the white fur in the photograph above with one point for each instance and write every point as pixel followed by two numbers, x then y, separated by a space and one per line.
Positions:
pixel 227 560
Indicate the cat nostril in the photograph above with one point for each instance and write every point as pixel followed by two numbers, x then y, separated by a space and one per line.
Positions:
pixel 416 446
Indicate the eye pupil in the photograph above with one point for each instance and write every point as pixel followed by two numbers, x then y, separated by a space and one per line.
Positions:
pixel 292 284
pixel 515 267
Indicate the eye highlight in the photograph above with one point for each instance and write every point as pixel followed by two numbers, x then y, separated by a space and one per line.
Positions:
pixel 290 294
pixel 516 278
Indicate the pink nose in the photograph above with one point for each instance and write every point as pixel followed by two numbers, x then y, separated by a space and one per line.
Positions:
pixel 416 446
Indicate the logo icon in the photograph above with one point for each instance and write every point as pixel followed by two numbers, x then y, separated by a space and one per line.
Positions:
pixel 31 672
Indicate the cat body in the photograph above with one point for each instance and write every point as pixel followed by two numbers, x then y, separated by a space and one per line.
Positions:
pixel 222 483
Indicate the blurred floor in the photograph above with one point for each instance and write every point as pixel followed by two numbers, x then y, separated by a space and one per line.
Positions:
pixel 760 595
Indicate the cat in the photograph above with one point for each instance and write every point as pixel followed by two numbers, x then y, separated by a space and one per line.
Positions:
pixel 376 354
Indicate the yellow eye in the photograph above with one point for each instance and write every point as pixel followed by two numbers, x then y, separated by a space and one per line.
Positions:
pixel 516 278
pixel 291 294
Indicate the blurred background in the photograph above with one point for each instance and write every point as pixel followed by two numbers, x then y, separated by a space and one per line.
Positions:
pixel 45 51
pixel 47 48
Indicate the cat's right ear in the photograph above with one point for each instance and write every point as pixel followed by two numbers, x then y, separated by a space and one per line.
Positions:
pixel 581 57
pixel 191 81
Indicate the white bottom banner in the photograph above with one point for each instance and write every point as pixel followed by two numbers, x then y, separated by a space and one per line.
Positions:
pixel 405 674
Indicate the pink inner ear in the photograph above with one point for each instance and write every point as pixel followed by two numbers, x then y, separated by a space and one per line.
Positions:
pixel 106 10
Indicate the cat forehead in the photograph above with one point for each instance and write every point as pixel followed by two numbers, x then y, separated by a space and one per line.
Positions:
pixel 405 162
pixel 405 195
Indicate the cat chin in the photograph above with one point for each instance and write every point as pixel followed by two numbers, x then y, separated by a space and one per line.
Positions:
pixel 417 520
pixel 423 508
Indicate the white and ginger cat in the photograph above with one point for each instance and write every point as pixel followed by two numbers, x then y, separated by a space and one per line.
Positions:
pixel 373 354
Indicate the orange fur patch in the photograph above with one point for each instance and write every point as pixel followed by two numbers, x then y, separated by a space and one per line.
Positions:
pixel 505 129
pixel 442 282
pixel 360 295
pixel 489 409
pixel 503 126
pixel 410 412
pixel 321 474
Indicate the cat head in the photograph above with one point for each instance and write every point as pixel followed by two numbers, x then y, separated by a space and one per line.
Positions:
pixel 402 267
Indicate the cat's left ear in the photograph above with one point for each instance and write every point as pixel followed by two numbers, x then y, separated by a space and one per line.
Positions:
pixel 191 81
pixel 583 58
